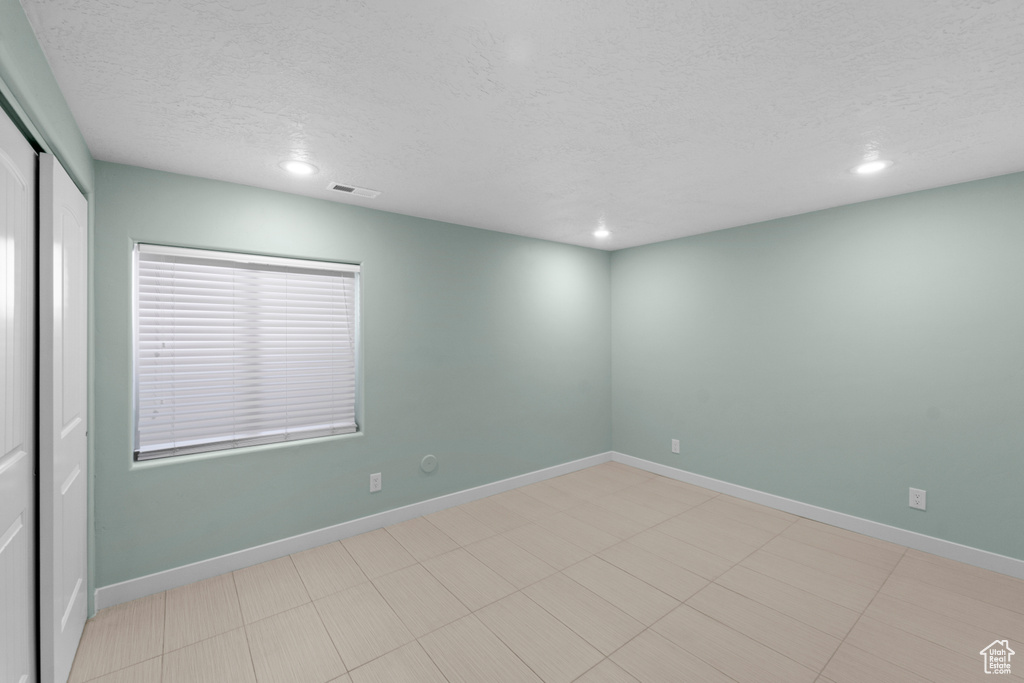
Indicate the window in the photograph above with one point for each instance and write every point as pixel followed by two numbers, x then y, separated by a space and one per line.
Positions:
pixel 234 350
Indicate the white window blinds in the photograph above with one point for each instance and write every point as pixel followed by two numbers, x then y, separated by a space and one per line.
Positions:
pixel 234 350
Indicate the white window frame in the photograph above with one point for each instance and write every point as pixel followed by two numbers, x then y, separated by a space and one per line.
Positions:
pixel 146 447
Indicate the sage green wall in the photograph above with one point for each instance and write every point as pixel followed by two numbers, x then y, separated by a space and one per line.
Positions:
pixel 488 350
pixel 29 92
pixel 840 357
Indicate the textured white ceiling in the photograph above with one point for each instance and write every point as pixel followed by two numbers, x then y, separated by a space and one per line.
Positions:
pixel 660 118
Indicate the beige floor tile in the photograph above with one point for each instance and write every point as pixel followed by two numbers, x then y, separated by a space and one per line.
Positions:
pixel 652 658
pixel 494 515
pixel 665 576
pixel 764 518
pixel 578 532
pixel 627 473
pixel 558 499
pixel 981 614
pixel 549 547
pixel 632 509
pixel 667 505
pixel 848 544
pixel 546 645
pixel 327 569
pixel 631 545
pixel 757 507
pixel 601 481
pixel 460 525
pixel 607 521
pixel 148 671
pixel 636 598
pixel 854 596
pixel 697 533
pixel 269 588
pixel 221 659
pixel 466 651
pixel 617 475
pixel 846 568
pixel 362 624
pixel 117 637
pixel 674 490
pixel 729 651
pixel 421 602
pixel 851 535
pixel 973 582
pixel 508 560
pixel 709 535
pixel 201 610
pixel 582 487
pixel 407 664
pixel 422 539
pixel 596 620
pixel 378 553
pixel 606 672
pixel 795 639
pixel 469 579
pixel 942 629
pixel 921 656
pixel 852 665
pixel 293 647
pixel 811 609
pixel 712 514
pixel 688 556
pixel 524 505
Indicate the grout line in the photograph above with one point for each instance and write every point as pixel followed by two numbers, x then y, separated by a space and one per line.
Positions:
pixel 791 586
pixel 427 653
pixel 755 639
pixel 127 666
pixel 862 612
pixel 320 620
pixel 851 561
pixel 245 631
pixel 163 632
pixel 509 647
pixel 931 611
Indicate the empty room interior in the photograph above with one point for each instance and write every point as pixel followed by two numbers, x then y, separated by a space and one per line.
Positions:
pixel 542 341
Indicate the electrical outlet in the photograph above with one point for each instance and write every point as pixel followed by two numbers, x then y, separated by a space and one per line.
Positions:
pixel 917 498
pixel 675 445
pixel 375 482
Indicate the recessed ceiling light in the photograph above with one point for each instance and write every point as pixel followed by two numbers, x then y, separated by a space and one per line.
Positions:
pixel 869 167
pixel 602 233
pixel 298 167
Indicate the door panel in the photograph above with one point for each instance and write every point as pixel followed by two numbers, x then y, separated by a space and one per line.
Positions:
pixel 17 406
pixel 63 283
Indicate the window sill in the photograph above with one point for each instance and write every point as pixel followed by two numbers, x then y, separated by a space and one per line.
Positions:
pixel 242 451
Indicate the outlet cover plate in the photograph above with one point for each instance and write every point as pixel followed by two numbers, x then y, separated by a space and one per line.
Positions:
pixel 375 482
pixel 917 498
pixel 675 445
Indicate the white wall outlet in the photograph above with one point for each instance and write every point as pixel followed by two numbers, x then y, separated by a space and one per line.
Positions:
pixel 917 498
pixel 675 445
pixel 375 482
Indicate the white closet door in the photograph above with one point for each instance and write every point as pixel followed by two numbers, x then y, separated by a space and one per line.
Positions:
pixel 17 406
pixel 63 283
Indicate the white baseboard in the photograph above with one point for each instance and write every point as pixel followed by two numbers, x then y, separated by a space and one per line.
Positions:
pixel 108 596
pixel 929 544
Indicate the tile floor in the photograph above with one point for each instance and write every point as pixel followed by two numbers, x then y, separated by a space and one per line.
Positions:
pixel 604 575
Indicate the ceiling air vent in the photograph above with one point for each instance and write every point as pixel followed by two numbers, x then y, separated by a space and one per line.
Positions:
pixel 352 189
